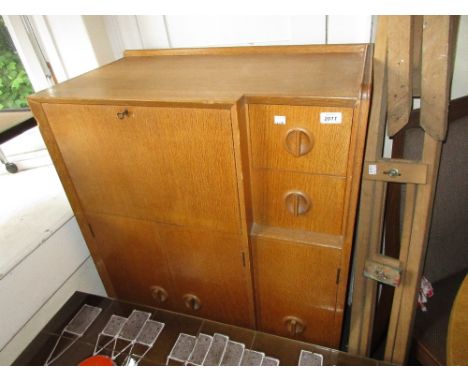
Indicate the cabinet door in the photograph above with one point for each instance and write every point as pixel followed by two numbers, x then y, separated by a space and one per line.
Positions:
pixel 296 287
pixel 171 165
pixel 131 251
pixel 209 274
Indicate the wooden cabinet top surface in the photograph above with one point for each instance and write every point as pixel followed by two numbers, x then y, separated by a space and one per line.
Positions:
pixel 221 76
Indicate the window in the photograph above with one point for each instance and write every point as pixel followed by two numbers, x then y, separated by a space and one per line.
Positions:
pixel 14 82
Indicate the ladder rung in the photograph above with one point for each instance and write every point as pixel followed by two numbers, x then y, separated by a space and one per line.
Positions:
pixel 399 171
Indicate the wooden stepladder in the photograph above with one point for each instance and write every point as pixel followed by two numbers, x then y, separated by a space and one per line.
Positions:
pixel 413 57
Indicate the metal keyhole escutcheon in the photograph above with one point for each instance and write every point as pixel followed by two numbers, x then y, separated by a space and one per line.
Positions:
pixel 122 114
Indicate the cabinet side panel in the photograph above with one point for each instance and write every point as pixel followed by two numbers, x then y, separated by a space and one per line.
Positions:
pixel 70 191
pixel 239 120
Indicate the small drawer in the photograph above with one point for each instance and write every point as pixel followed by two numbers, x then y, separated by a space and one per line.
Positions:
pixel 299 201
pixel 301 138
pixel 296 289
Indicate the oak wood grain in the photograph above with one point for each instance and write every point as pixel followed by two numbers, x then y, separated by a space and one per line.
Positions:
pixel 69 188
pixel 210 266
pixel 132 252
pixel 218 78
pixel 240 50
pixel 239 113
pixel 329 142
pixel 181 171
pixel 140 254
pixel 297 236
pixel 194 171
pixel 326 194
pixel 305 290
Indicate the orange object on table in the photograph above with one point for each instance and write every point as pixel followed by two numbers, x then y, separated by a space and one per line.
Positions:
pixel 97 360
pixel 457 339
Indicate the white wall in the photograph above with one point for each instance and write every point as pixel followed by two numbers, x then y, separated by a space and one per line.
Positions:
pixel 76 44
pixel 33 291
pixel 460 73
pixel 189 31
pixel 153 32
pixel 85 278
pixel 160 32
pixel 73 44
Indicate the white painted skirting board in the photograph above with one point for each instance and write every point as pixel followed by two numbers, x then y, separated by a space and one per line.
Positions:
pixel 37 287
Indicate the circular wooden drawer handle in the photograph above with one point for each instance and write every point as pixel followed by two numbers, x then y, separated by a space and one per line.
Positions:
pixel 159 293
pixel 294 325
pixel 298 142
pixel 191 301
pixel 297 202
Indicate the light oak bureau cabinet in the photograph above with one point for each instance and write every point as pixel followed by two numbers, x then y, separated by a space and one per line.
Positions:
pixel 219 182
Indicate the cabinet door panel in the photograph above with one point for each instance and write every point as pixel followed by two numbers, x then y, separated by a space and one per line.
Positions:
pixel 296 282
pixel 299 201
pixel 302 142
pixel 173 165
pixel 131 252
pixel 209 267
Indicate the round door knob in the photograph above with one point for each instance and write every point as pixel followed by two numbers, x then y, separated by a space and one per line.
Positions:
pixel 294 325
pixel 297 202
pixel 298 142
pixel 159 293
pixel 192 302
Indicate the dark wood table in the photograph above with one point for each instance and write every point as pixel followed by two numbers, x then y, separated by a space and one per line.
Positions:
pixel 286 350
pixel 13 123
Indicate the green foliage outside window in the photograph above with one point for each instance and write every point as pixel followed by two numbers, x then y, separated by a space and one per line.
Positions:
pixel 14 82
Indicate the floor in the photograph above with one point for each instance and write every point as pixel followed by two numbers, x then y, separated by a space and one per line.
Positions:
pixel 43 257
pixel 33 204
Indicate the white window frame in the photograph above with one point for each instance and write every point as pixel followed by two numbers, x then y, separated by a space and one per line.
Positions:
pixel 28 55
